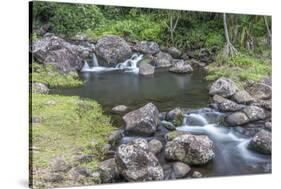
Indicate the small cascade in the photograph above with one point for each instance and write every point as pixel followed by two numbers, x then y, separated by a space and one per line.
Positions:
pixel 95 61
pixel 198 118
pixel 130 65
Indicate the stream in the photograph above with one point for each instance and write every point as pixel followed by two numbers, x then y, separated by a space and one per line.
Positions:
pixel 122 85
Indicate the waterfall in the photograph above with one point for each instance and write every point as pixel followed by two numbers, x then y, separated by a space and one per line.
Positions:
pixel 130 65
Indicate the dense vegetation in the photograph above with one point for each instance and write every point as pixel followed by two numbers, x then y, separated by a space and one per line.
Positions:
pixel 249 34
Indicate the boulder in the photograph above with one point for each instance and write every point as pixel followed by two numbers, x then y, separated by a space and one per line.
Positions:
pixel 237 119
pixel 108 171
pixel 224 87
pixel 196 174
pixel 143 121
pixel 243 97
pixel 147 47
pixel 190 149
pixel 112 50
pixel 180 67
pixel 226 105
pixel 261 142
pixel 206 56
pixel 254 113
pixel 168 125
pixel 136 163
pixel 57 52
pixel 174 52
pixel 174 134
pixel 268 125
pixel 39 88
pixel 58 164
pixel 260 90
pixel 162 60
pixel 197 64
pixel 155 146
pixel 120 109
pixel 115 137
pixel 176 116
pixel 180 169
pixel 146 69
pixel 266 104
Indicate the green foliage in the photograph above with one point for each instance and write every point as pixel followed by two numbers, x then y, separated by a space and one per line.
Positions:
pixel 67 19
pixel 240 68
pixel 214 39
pixel 51 77
pixel 140 28
pixel 66 123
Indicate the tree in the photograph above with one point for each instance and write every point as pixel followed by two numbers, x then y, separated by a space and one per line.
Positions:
pixel 173 22
pixel 268 30
pixel 229 49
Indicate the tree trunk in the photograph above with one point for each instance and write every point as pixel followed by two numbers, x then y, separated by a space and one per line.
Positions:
pixel 229 49
pixel 268 30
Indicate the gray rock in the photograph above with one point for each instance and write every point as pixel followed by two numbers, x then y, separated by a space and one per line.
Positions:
pixel 39 88
pixel 174 52
pixel 143 121
pixel 54 178
pixel 197 64
pixel 162 60
pixel 55 51
pixel 115 137
pixel 176 116
pixel 96 177
pixel 136 163
pixel 223 87
pixel 261 142
pixel 254 113
pixel 196 174
pixel 260 91
pixel 108 171
pixel 146 69
pixel 190 149
pixel 147 47
pixel 237 119
pixel 226 105
pixel 168 125
pixel 243 97
pixel 180 169
pixel 162 115
pixel 120 109
pixel 112 50
pixel 266 104
pixel 155 146
pixel 268 125
pixel 181 67
pixel 58 164
pixel 174 134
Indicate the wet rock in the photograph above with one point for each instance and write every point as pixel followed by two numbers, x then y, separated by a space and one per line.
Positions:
pixel 112 50
pixel 120 109
pixel 261 142
pixel 108 171
pixel 168 125
pixel 58 164
pixel 226 105
pixel 40 88
pixel 237 119
pixel 190 149
pixel 143 121
pixel 146 69
pixel 55 51
pixel 155 146
pixel 243 97
pixel 180 169
pixel 197 64
pixel 254 113
pixel 174 52
pixel 196 174
pixel 175 116
pixel 162 60
pixel 115 137
pixel 174 134
pixel 147 47
pixel 223 87
pixel 136 163
pixel 180 67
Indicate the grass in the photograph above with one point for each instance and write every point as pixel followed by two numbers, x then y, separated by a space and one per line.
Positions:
pixel 240 68
pixel 65 125
pixel 51 77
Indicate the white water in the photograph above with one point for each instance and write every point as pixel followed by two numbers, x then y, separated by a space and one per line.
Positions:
pixel 231 143
pixel 129 65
